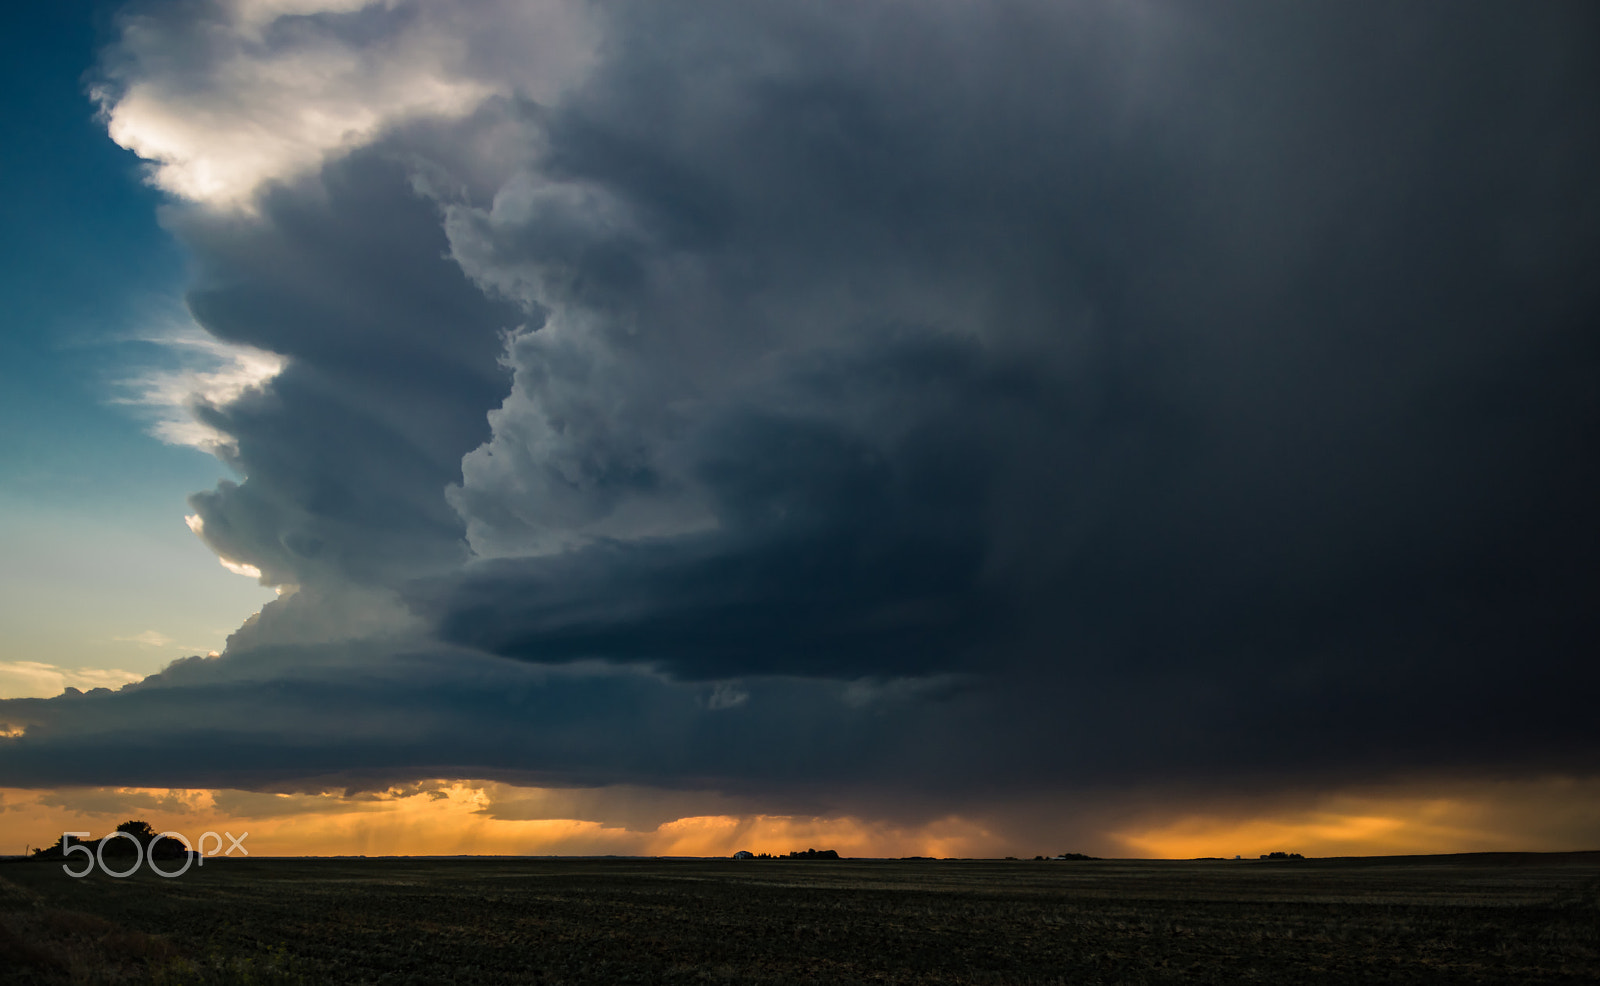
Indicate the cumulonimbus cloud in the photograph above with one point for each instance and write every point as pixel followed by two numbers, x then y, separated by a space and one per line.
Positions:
pixel 994 396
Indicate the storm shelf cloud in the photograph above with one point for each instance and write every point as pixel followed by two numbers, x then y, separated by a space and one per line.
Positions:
pixel 958 400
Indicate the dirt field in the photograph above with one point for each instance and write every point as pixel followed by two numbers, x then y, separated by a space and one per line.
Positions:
pixel 1469 919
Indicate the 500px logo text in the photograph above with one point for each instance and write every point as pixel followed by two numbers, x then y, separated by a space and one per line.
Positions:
pixel 190 854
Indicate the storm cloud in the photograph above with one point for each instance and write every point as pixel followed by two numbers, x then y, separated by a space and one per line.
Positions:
pixel 929 397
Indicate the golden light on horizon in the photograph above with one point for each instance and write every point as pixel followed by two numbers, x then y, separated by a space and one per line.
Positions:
pixel 466 817
pixel 1536 815
pixel 447 818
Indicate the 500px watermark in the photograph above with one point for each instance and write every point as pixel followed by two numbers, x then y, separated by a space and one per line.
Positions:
pixel 98 854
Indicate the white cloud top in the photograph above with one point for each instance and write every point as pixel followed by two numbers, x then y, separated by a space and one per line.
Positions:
pixel 257 91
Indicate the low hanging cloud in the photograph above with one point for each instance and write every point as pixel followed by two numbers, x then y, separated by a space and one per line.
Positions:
pixel 879 403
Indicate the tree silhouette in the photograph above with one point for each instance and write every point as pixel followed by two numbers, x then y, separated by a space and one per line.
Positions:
pixel 139 829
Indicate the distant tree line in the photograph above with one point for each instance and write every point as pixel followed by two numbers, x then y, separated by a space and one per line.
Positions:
pixel 798 854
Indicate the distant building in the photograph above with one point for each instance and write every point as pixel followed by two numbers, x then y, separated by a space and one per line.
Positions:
pixel 742 854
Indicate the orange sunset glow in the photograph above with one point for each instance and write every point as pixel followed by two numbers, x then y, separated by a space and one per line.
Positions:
pixel 456 818
pixel 485 818
pixel 1554 814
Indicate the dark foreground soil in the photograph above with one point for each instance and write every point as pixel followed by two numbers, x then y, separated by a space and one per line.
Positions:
pixel 1507 918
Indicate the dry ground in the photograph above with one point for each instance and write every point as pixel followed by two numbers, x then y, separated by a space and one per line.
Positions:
pixel 1473 919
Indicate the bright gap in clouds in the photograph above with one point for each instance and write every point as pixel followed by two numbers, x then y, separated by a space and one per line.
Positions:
pixel 1552 814
pixel 449 817
pixel 463 818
